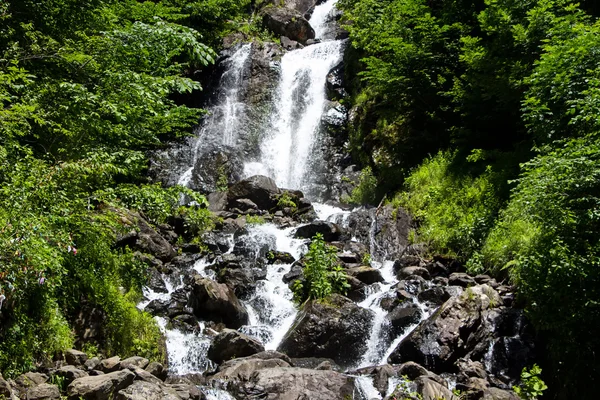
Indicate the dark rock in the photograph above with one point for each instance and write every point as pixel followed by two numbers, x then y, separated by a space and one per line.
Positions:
pixel 432 390
pixel 217 302
pixel 442 339
pixel 436 295
pixel 330 231
pixel 92 363
pixel 412 370
pixel 157 370
pixel 143 237
pixel 214 163
pixel 349 258
pixel 294 274
pixel 437 269
pixel 187 392
pixel 314 363
pixel 75 357
pixel 407 261
pixel 289 23
pixel 498 394
pixel 335 83
pixel 45 391
pixel 279 257
pixel 402 317
pixel 301 6
pixel 365 274
pixel 5 389
pixel 143 375
pixel 70 373
pixel 155 281
pixel 258 189
pixel 411 271
pixel 461 279
pixel 102 387
pixel 217 201
pixel 336 329
pixel 232 344
pixel 290 44
pixel 243 368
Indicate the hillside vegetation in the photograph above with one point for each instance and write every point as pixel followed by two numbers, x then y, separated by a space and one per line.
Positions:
pixel 486 115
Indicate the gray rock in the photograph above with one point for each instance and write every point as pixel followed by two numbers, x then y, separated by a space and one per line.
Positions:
pixel 135 362
pixel 141 390
pixel 110 364
pixel 241 369
pixel 259 189
pixel 157 369
pixel 143 237
pixel 143 375
pixel 336 329
pixel 431 390
pixel 412 370
pixel 44 391
pixel 461 279
pixel 102 387
pixel 232 344
pixel 401 317
pixel 410 271
pixel 217 302
pixel 186 391
pixel 75 357
pixel 5 389
pixel 498 394
pixel 365 274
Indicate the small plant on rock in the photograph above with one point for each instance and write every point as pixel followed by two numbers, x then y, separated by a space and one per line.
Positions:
pixel 323 275
pixel 531 386
pixel 285 200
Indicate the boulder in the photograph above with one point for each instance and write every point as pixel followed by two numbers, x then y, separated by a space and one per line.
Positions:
pixel 335 83
pixel 288 22
pixel 289 44
pixel 401 317
pixel 216 166
pixel 5 390
pixel 187 391
pixel 216 302
pixel 92 363
pixel 461 279
pixel 241 369
pixel 110 364
pixel 365 274
pixel 75 357
pixel 70 373
pixel 431 390
pixel 411 271
pixel 436 295
pixel 442 339
pixel 302 6
pixel 143 237
pixel 143 375
pixel 335 329
pixel 135 362
pixel 498 394
pixel 412 370
pixel 141 390
pixel 45 391
pixel 330 231
pixel 101 387
pixel 23 383
pixel 280 257
pixel 259 189
pixel 232 344
pixel 284 383
pixel 157 369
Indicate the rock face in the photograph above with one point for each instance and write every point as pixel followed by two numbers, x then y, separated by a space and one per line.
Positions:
pixel 217 302
pixel 444 337
pixel 232 344
pixel 101 387
pixel 288 22
pixel 338 330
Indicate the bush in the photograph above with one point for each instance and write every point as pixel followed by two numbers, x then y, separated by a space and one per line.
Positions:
pixel 322 273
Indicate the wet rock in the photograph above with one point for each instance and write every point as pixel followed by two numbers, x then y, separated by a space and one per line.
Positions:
pixel 143 237
pixel 315 363
pixel 294 274
pixel 412 370
pixel 214 164
pixel 437 269
pixel 302 6
pixel 335 83
pixel 367 275
pixel 102 387
pixel 110 364
pixel 407 261
pixel 155 281
pixel 232 344
pixel 259 189
pixel 330 231
pixel 279 257
pixel 436 295
pixel 412 271
pixel 289 44
pixel 461 279
pixel 217 302
pixel 336 329
pixel 402 317
pixel 75 357
pixel 135 362
pixel 296 383
pixel 70 373
pixel 241 281
pixel 288 22
pixel 439 341
pixel 45 391
pixel 357 289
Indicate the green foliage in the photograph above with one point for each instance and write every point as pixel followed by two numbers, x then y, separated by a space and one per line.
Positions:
pixel 255 220
pixel 531 386
pixel 323 275
pixel 365 190
pixel 285 200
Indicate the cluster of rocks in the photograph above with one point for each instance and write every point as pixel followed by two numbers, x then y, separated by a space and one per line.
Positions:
pixel 78 377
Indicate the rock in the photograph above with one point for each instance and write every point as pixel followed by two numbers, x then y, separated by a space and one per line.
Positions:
pixel 335 83
pixel 157 369
pixel 402 317
pixel 431 390
pixel 75 357
pixel 186 391
pixel 217 201
pixel 70 373
pixel 412 370
pixel 135 362
pixel 232 344
pixel 407 261
pixel 102 387
pixel 498 394
pixel 217 302
pixel 411 271
pixel 315 362
pixel 280 257
pixel 461 279
pixel 258 189
pixel 296 383
pixel 302 6
pixel 45 391
pixel 336 329
pixel 330 231
pixel 5 390
pixel 439 341
pixel 143 375
pixel 241 369
pixel 143 237
pixel 294 274
pixel 367 275
pixel 110 364
pixel 290 44
pixel 141 390
pixel 289 23
pixel 436 295
pixel 216 166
